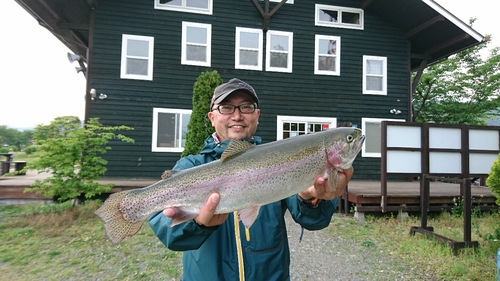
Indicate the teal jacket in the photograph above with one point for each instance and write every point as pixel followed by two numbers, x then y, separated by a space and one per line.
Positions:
pixel 212 253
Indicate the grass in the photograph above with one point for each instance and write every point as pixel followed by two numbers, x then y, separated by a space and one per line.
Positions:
pixel 22 156
pixel 61 242
pixel 428 256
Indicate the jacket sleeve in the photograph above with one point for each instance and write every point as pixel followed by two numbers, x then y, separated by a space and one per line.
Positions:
pixel 185 236
pixel 309 218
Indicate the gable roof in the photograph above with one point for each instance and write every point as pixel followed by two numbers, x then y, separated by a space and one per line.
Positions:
pixel 433 32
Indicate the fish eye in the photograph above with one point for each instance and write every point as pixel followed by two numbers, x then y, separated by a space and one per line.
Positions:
pixel 349 138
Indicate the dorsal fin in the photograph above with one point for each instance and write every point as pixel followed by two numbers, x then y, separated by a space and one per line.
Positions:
pixel 168 173
pixel 234 147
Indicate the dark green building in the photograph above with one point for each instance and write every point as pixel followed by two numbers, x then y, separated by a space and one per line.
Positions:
pixel 314 64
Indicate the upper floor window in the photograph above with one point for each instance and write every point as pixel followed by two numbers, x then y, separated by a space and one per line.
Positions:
pixel 196 43
pixel 189 6
pixel 291 126
pixel 169 129
pixel 248 53
pixel 327 55
pixel 336 16
pixel 137 57
pixel 374 75
pixel 279 51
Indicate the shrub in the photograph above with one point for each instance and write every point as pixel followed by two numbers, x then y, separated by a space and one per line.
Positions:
pixel 30 149
pixel 493 180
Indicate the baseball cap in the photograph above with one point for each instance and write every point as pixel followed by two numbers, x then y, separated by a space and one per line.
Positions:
pixel 235 84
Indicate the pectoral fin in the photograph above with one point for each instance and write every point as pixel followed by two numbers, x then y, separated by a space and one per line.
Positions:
pixel 249 215
pixel 183 216
pixel 332 176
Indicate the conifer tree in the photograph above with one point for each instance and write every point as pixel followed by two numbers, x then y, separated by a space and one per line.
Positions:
pixel 199 126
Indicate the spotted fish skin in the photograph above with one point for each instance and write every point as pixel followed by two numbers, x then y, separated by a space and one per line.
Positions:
pixel 246 177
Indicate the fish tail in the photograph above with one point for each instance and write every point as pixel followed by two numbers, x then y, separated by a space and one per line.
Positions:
pixel 116 226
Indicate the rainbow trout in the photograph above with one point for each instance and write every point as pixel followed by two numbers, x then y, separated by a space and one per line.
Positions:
pixel 247 176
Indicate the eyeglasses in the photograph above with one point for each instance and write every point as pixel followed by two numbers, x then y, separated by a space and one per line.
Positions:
pixel 229 108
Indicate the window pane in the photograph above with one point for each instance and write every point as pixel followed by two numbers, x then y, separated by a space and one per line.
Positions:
pixel 374 83
pixel 327 46
pixel 196 53
pixel 185 121
pixel 279 60
pixel 329 16
pixel 374 67
pixel 166 130
pixel 171 2
pixel 196 35
pixel 137 66
pixel 279 42
pixel 373 137
pixel 249 40
pixel 327 63
pixel 352 18
pixel 197 3
pixel 249 57
pixel 137 48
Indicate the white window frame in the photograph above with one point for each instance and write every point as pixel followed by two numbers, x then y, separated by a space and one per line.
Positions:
pixel 364 121
pixel 238 48
pixel 154 140
pixel 302 119
pixel 207 45
pixel 271 33
pixel 287 2
pixel 319 37
pixel 125 57
pixel 339 11
pixel 383 75
pixel 184 8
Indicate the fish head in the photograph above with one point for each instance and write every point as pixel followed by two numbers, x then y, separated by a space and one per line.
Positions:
pixel 342 146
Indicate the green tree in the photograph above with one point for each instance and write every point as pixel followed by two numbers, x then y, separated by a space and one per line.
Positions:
pixel 71 154
pixel 463 89
pixel 199 126
pixel 14 137
pixel 493 180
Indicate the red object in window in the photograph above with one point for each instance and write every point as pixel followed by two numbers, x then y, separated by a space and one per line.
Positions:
pixel 326 127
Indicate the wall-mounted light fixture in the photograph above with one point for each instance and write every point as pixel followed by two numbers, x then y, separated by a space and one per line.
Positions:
pixel 395 111
pixel 93 94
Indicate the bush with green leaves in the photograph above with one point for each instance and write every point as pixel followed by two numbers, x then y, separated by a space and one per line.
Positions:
pixel 493 180
pixel 199 126
pixel 30 149
pixel 72 155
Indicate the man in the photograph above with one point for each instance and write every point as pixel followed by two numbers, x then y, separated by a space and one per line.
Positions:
pixel 218 247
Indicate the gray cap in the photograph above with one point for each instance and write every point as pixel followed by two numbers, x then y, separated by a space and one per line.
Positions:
pixel 235 84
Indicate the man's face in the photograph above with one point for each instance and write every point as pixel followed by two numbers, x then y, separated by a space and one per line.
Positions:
pixel 236 125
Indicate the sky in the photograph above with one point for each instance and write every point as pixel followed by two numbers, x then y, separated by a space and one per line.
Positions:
pixel 41 84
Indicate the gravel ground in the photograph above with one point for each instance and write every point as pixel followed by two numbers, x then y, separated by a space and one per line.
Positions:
pixel 322 256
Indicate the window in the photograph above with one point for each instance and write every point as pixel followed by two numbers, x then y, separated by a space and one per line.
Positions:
pixel 327 55
pixel 291 126
pixel 374 75
pixel 196 43
pixel 372 129
pixel 342 17
pixel 287 1
pixel 279 51
pixel 137 57
pixel 169 129
pixel 189 6
pixel 248 49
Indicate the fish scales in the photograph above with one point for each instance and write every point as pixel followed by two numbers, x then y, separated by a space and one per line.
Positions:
pixel 246 177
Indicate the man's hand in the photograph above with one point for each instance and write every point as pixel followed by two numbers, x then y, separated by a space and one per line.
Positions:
pixel 320 187
pixel 206 216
